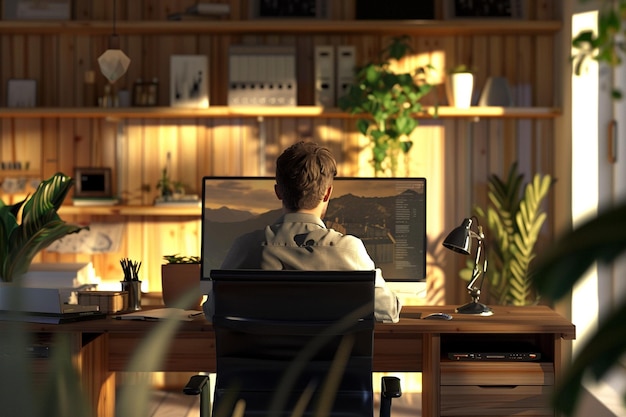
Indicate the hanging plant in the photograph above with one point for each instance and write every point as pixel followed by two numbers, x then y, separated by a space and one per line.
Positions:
pixel 388 102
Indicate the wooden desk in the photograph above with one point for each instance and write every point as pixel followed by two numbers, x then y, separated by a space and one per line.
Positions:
pixel 415 345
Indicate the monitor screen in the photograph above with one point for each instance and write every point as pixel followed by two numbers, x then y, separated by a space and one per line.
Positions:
pixel 388 214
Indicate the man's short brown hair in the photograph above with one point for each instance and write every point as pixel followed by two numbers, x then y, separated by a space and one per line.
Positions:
pixel 304 171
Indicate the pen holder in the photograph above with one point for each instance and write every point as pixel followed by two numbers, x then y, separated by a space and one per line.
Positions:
pixel 134 294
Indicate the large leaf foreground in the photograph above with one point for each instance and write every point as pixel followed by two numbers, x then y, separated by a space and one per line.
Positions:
pixel 600 239
pixel 41 225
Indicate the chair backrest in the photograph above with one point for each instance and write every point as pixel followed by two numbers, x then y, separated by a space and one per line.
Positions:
pixel 278 334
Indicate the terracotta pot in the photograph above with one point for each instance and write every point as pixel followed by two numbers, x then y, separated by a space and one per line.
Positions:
pixel 179 279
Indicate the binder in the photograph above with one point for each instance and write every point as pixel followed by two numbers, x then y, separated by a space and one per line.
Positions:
pixel 324 76
pixel 346 63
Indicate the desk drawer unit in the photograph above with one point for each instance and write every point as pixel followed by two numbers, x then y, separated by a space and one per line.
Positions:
pixel 496 389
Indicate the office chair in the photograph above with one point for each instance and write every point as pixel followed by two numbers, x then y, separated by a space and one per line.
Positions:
pixel 293 343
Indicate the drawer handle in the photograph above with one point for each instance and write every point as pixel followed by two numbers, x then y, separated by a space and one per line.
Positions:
pixel 498 386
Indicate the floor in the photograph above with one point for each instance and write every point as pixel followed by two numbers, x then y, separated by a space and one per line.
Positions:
pixel 176 404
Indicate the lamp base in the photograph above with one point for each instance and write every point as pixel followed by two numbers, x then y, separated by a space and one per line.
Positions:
pixel 474 308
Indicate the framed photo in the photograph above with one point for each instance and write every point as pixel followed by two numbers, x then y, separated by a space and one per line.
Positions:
pixel 481 9
pixel 21 93
pixel 92 182
pixel 189 81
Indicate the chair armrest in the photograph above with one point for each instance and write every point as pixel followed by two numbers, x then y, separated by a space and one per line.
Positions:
pixel 391 387
pixel 195 384
pixel 199 385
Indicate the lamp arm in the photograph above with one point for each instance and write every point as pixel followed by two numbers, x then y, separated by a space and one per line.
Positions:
pixel 477 272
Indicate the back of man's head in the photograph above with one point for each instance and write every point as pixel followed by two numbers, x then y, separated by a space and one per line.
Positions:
pixel 304 171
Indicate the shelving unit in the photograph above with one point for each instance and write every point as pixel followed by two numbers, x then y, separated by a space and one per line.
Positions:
pixel 232 112
pixel 290 26
pixel 122 210
pixel 61 133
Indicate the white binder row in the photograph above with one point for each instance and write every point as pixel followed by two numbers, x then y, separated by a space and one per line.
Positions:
pixel 262 76
pixel 266 75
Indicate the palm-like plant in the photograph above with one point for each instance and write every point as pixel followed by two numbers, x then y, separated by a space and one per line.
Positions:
pixel 514 221
pixel 40 225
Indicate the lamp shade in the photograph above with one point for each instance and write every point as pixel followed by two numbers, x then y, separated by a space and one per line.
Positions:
pixel 460 239
pixel 113 64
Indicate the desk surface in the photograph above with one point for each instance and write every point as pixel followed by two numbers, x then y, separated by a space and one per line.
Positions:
pixel 506 319
pixel 412 345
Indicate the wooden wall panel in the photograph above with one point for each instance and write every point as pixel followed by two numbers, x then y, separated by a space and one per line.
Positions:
pixel 456 155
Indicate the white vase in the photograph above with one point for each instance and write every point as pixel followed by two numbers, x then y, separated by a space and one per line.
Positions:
pixel 460 87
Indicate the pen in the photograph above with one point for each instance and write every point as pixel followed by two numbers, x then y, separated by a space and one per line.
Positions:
pixel 195 314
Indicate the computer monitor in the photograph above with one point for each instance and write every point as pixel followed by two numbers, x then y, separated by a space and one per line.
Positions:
pixel 388 214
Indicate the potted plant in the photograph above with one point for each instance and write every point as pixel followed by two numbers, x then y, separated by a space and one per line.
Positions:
pixel 168 188
pixel 40 226
pixel 180 277
pixel 513 222
pixel 460 86
pixel 388 102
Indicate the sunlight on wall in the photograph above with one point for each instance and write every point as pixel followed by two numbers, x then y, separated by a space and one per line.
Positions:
pixel 585 196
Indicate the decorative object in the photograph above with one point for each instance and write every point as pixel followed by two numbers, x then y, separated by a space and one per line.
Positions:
pixel 460 240
pixel 21 93
pixel 514 220
pixel 131 283
pixel 113 62
pixel 387 102
pixel 40 226
pixel 180 282
pixel 460 87
pixel 480 9
pixel 189 81
pixel 496 93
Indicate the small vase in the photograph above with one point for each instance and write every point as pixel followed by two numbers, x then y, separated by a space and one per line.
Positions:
pixel 134 294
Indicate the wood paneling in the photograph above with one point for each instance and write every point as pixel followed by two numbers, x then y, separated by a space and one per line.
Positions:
pixel 456 155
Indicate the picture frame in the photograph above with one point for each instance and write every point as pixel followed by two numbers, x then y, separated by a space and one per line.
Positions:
pixel 189 81
pixel 484 9
pixel 21 93
pixel 92 182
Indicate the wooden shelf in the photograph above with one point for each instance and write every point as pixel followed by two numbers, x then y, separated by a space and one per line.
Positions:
pixel 122 210
pixel 293 26
pixel 234 112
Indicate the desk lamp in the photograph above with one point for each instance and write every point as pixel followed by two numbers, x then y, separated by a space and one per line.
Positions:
pixel 460 240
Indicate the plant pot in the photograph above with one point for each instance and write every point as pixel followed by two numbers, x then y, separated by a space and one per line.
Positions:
pixel 178 280
pixel 459 88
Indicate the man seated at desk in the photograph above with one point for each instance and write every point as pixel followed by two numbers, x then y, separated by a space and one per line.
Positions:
pixel 299 239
